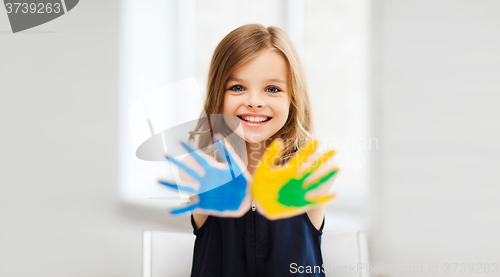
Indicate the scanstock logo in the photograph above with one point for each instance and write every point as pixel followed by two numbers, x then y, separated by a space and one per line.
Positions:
pixel 26 14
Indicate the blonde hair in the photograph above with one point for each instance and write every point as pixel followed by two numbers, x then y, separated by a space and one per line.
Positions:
pixel 238 47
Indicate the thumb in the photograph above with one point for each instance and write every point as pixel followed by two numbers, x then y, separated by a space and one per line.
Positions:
pixel 322 199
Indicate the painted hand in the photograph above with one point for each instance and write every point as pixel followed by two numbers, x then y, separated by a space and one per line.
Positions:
pixel 280 191
pixel 222 190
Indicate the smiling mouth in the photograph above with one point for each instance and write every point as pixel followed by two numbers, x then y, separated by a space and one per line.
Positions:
pixel 254 119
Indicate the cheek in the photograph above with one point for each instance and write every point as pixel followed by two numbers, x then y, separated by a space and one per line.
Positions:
pixel 282 107
pixel 228 105
pixel 285 111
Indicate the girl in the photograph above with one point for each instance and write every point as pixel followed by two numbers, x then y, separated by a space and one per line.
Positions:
pixel 255 75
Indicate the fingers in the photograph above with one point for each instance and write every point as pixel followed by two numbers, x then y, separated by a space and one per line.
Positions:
pixel 322 199
pixel 175 186
pixel 201 161
pixel 315 163
pixel 321 180
pixel 232 156
pixel 301 156
pixel 184 167
pixel 322 159
pixel 229 154
pixel 181 210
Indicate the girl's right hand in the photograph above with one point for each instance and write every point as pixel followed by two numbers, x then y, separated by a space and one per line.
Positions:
pixel 223 190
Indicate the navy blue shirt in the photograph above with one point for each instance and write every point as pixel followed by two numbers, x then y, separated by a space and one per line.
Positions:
pixel 255 246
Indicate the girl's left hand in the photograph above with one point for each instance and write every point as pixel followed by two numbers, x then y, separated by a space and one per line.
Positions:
pixel 223 190
pixel 280 191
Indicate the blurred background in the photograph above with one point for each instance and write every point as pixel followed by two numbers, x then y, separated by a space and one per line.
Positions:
pixel 406 91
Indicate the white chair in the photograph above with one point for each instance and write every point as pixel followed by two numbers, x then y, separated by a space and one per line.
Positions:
pixel 345 254
pixel 170 254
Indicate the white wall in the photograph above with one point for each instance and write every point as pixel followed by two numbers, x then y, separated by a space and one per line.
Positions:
pixel 435 95
pixel 60 214
pixel 434 112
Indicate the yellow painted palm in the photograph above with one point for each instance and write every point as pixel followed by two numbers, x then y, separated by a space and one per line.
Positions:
pixel 280 191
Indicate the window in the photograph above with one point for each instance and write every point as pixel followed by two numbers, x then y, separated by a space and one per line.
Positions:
pixel 167 41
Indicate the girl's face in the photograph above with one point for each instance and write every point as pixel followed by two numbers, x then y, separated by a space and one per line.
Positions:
pixel 257 94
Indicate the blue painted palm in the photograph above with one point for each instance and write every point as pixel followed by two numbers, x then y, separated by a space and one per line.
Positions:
pixel 222 188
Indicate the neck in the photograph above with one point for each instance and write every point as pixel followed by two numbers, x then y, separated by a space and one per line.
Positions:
pixel 254 154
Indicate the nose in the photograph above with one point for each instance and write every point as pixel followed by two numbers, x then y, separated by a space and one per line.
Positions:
pixel 255 100
pixel 250 105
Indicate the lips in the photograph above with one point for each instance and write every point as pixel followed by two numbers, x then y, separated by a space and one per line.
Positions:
pixel 254 120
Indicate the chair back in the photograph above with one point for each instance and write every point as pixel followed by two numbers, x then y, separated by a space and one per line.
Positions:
pixel 345 254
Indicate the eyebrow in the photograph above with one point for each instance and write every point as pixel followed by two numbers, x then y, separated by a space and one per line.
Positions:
pixel 276 80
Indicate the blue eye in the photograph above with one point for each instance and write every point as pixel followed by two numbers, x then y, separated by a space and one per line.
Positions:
pixel 239 88
pixel 273 89
pixel 236 88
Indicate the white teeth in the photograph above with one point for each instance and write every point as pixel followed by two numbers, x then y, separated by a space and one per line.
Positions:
pixel 255 119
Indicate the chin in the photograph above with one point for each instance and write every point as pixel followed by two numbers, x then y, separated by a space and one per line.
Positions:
pixel 256 138
pixel 253 140
pixel 250 138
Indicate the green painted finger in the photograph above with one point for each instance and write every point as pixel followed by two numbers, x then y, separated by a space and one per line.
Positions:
pixel 324 178
pixel 319 162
